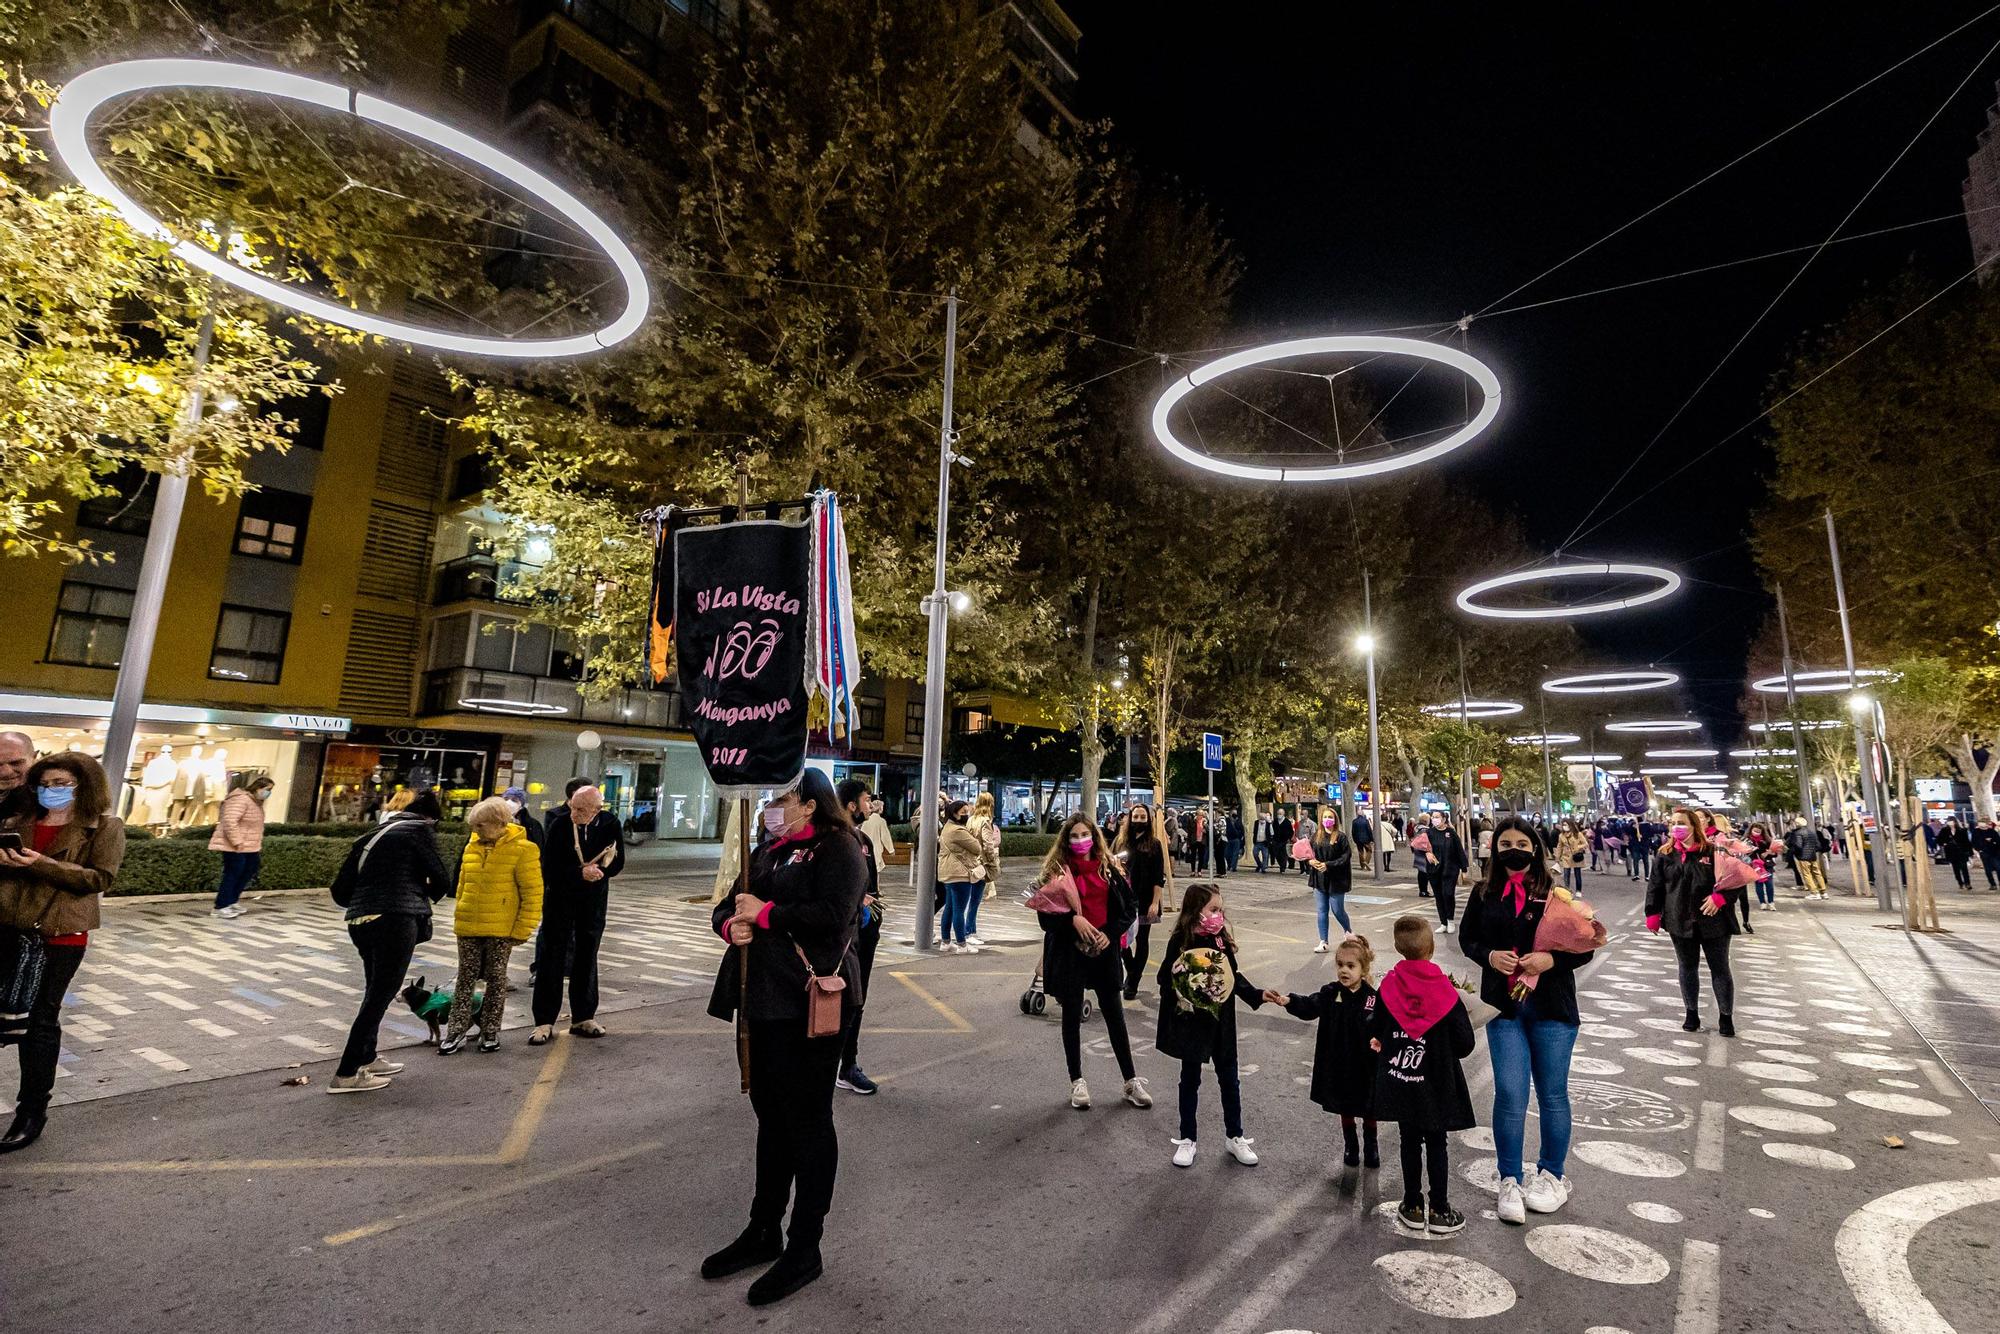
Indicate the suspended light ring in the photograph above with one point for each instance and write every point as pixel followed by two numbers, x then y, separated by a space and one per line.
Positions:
pixel 1655 725
pixel 517 708
pixel 1611 683
pixel 1670 583
pixel 1829 681
pixel 1474 709
pixel 1683 753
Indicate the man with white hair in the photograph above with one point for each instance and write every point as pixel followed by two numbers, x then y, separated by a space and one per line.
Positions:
pixel 17 752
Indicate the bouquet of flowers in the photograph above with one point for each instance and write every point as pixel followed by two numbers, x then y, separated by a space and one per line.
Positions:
pixel 1203 980
pixel 1568 926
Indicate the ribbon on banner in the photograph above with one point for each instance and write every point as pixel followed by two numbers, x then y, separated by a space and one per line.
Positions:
pixel 657 651
pixel 833 668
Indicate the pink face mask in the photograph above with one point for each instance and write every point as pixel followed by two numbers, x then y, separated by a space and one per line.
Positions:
pixel 1081 846
pixel 1680 835
pixel 1212 923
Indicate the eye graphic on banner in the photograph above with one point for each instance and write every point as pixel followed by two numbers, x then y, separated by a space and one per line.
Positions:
pixel 745 650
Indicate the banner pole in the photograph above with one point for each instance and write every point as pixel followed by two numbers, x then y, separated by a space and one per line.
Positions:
pixel 743 852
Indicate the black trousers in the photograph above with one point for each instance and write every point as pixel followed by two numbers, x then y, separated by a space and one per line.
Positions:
pixel 1418 1142
pixel 1101 975
pixel 791 1090
pixel 573 930
pixel 385 946
pixel 41 1045
pixel 1687 952
pixel 1739 901
pixel 1444 884
pixel 850 1032
pixel 1135 957
pixel 1961 871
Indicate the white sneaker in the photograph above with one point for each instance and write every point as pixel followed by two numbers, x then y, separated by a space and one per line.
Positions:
pixel 1512 1208
pixel 1135 1092
pixel 974 940
pixel 383 1066
pixel 968 948
pixel 1547 1193
pixel 1079 1095
pixel 1320 948
pixel 1448 927
pixel 946 947
pixel 1239 1149
pixel 359 1082
pixel 1183 1153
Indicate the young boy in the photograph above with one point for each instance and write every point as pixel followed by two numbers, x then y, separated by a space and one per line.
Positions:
pixel 1423 1032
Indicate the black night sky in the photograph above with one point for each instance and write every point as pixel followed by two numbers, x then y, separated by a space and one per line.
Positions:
pixel 1384 165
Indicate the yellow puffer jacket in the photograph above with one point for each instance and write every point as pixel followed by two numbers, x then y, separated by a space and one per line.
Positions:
pixel 500 887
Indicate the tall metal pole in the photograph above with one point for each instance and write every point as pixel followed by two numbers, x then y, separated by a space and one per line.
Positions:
pixel 161 534
pixel 1593 769
pixel 1864 746
pixel 1213 870
pixel 1465 720
pixel 1548 772
pixel 933 767
pixel 1128 771
pixel 1792 711
pixel 1378 808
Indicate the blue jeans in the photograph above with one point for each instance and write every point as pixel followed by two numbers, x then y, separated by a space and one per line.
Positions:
pixel 1766 892
pixel 1262 855
pixel 1521 1047
pixel 238 870
pixel 975 895
pixel 1338 904
pixel 1573 878
pixel 957 898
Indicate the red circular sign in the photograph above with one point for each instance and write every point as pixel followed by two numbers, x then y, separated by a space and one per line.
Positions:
pixel 1489 776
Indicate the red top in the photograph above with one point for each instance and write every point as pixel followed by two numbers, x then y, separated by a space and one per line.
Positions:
pixel 1095 891
pixel 43 836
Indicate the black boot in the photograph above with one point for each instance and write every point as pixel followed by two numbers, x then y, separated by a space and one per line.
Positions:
pixel 26 1129
pixel 1726 1027
pixel 798 1266
pixel 1371 1155
pixel 1352 1157
pixel 759 1244
pixel 1692 1024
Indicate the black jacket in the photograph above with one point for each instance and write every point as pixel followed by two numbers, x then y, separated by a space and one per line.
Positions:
pixel 1487 923
pixel 531 824
pixel 1957 845
pixel 1338 877
pixel 1447 851
pixel 1282 835
pixel 1064 964
pixel 1674 894
pixel 1146 870
pixel 814 886
pixel 1363 832
pixel 393 869
pixel 563 887
pixel 871 889
pixel 1196 1035
pixel 1803 844
pixel 1418 1081
pixel 1343 1066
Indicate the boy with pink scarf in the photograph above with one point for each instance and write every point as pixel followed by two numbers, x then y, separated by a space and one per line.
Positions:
pixel 1423 1032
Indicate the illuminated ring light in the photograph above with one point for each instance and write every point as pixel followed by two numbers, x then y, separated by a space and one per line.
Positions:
pixel 1669 584
pixel 69 122
pixel 1804 725
pixel 1474 369
pixel 1760 752
pixel 519 708
pixel 1591 758
pixel 1611 683
pixel 1825 682
pixel 1669 772
pixel 1473 709
pixel 1683 753
pixel 1537 739
pixel 1708 780
pixel 1655 725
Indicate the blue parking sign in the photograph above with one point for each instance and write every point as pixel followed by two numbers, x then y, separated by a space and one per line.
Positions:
pixel 1211 751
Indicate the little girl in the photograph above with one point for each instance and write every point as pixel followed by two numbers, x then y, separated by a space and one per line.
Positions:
pixel 1343 1065
pixel 1197 1036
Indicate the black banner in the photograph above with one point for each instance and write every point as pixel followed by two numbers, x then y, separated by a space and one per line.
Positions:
pixel 740 627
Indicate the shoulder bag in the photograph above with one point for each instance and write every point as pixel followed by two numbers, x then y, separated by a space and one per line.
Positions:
pixel 823 996
pixel 23 960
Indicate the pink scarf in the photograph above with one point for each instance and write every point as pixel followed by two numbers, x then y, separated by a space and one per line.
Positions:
pixel 1516 889
pixel 1418 995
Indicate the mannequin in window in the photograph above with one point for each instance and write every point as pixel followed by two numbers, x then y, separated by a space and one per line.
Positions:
pixel 212 783
pixel 156 784
pixel 187 778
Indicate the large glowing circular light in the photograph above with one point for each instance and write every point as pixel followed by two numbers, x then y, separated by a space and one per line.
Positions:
pixel 1759 752
pixel 1552 739
pixel 1669 583
pixel 1804 725
pixel 1655 725
pixel 1593 757
pixel 1682 753
pixel 69 123
pixel 1474 369
pixel 1473 709
pixel 1826 682
pixel 1670 772
pixel 1708 779
pixel 519 708
pixel 1610 683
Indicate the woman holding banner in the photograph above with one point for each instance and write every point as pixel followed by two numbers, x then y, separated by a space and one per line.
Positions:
pixel 798 921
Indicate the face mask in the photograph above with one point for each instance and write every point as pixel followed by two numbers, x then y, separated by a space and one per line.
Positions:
pixel 1681 835
pixel 1212 923
pixel 774 820
pixel 1516 859
pixel 1329 824
pixel 261 794
pixel 55 798
pixel 1082 846
pixel 513 807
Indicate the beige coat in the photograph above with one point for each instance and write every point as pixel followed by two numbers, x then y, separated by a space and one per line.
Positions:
pixel 961 855
pixel 60 892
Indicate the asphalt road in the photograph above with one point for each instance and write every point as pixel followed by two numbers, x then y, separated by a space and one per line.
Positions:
pixel 1720 1185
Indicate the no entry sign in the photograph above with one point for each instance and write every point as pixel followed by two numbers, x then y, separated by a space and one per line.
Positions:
pixel 1489 776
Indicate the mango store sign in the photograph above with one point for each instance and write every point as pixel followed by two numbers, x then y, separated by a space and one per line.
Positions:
pixel 70 706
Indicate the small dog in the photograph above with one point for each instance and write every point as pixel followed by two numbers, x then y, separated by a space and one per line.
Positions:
pixel 434 1007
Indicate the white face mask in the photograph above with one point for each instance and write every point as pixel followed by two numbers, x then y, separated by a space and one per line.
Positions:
pixel 513 807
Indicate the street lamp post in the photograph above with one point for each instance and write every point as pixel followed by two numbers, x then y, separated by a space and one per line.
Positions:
pixel 1864 747
pixel 1548 771
pixel 1378 809
pixel 937 607
pixel 1792 712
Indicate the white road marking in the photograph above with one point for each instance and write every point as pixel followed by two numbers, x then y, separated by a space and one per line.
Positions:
pixel 1940 1081
pixel 1708 1138
pixel 1873 1249
pixel 1698 1307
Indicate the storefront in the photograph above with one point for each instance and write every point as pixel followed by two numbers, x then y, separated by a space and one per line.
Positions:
pixel 374 763
pixel 185 757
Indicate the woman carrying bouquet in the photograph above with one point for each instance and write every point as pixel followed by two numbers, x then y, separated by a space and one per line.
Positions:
pixel 1531 1039
pixel 1199 988
pixel 1079 948
pixel 1681 898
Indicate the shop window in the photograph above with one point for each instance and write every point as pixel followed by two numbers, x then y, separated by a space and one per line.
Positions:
pixel 271 525
pixel 89 629
pixel 249 644
pixel 567 661
pixel 125 507
pixel 913 720
pixel 873 717
pixel 971 722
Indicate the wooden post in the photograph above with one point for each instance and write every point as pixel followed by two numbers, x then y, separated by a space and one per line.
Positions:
pixel 743 951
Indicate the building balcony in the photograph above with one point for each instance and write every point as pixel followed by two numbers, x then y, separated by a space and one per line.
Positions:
pixel 478 579
pixel 505 696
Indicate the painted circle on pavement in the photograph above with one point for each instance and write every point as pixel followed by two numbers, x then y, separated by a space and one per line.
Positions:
pixel 1808 1155
pixel 1868 1060
pixel 1596 1104
pixel 1598 1254
pixel 1629 1159
pixel 1800 1097
pixel 1782 1119
pixel 1900 1103
pixel 1449 1286
pixel 1655 1213
pixel 1777 1072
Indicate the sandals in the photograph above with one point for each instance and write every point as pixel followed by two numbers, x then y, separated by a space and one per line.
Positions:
pixel 589 1028
pixel 542 1033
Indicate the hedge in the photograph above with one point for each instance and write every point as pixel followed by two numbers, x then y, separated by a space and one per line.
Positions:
pixel 1013 842
pixel 335 829
pixel 291 861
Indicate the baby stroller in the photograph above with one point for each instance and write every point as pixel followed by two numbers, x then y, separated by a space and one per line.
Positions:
pixel 1035 1000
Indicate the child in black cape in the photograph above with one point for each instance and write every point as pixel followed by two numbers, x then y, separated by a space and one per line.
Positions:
pixel 1422 1031
pixel 1343 1079
pixel 1198 1037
